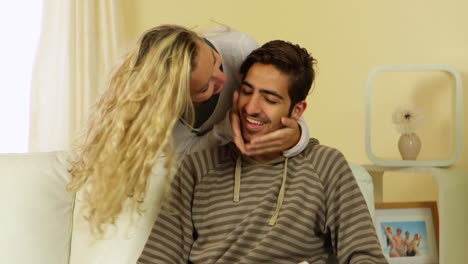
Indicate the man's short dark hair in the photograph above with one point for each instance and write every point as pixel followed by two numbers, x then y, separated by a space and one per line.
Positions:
pixel 290 59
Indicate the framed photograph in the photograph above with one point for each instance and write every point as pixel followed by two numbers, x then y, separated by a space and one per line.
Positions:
pixel 408 232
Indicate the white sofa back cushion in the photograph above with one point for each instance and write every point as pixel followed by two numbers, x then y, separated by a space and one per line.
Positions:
pixel 124 242
pixel 36 210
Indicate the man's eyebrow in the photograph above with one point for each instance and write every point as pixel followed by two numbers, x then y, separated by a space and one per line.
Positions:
pixel 270 92
pixel 265 91
pixel 246 83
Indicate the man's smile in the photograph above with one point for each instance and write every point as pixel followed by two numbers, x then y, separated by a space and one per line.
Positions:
pixel 252 124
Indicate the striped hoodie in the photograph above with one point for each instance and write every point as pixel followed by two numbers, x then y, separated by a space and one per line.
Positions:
pixel 229 208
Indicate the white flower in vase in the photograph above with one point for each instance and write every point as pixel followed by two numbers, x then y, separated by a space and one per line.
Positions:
pixel 407 120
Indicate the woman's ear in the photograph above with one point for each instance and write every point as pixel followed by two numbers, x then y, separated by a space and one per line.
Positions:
pixel 298 109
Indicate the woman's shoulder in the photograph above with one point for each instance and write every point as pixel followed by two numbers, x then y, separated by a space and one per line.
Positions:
pixel 227 39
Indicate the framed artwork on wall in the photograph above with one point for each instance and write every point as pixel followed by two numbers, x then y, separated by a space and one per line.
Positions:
pixel 408 232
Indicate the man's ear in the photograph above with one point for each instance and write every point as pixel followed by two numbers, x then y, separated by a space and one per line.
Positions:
pixel 298 109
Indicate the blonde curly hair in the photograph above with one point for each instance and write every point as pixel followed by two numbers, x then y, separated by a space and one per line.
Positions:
pixel 131 125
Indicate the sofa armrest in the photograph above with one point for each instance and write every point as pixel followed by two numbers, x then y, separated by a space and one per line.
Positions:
pixel 36 209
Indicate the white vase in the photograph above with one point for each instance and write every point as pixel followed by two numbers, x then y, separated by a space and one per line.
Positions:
pixel 409 146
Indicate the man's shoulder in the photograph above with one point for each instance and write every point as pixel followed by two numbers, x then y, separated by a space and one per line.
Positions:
pixel 322 157
pixel 316 150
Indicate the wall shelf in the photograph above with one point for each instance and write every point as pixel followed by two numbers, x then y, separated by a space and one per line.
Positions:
pixel 458 106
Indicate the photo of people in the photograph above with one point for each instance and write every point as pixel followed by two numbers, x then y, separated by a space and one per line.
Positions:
pixel 404 239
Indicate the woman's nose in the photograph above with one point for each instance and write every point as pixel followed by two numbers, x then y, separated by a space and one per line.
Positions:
pixel 220 78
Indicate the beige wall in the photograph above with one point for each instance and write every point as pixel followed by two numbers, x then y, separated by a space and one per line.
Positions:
pixel 349 39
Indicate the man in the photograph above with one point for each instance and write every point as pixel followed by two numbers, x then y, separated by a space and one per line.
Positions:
pixel 399 243
pixel 409 245
pixel 229 208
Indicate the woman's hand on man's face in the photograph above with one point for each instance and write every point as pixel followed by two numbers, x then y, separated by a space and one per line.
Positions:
pixel 277 141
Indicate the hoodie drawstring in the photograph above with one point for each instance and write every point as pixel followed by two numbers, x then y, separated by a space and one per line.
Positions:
pixel 237 180
pixel 279 200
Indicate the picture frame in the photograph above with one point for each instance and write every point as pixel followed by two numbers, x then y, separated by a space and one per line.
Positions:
pixel 418 221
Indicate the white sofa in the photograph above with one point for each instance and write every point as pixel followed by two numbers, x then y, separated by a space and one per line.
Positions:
pixel 41 223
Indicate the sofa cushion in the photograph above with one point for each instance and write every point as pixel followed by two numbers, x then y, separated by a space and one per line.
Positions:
pixel 124 242
pixel 36 210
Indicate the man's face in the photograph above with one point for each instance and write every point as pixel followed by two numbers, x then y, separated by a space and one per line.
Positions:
pixel 264 100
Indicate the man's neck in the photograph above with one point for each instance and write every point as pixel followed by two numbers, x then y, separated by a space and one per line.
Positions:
pixel 266 157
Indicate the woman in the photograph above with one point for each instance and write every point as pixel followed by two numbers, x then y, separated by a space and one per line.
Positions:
pixel 393 253
pixel 416 243
pixel 161 101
